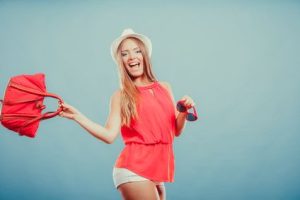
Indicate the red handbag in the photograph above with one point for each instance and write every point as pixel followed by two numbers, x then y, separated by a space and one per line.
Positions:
pixel 23 104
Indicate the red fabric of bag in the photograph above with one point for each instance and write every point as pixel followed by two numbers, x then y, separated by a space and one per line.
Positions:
pixel 23 104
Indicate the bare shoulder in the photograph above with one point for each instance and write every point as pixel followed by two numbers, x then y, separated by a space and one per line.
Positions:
pixel 116 96
pixel 166 85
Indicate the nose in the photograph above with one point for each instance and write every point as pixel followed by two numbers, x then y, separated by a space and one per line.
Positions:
pixel 130 56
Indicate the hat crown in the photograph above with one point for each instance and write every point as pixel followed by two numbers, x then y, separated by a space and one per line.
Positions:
pixel 127 31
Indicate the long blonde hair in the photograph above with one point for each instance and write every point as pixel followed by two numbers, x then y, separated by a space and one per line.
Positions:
pixel 129 92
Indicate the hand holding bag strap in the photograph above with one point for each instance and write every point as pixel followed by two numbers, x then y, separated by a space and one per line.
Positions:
pixel 48 115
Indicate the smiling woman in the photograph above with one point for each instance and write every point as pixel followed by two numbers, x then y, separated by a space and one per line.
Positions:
pixel 147 160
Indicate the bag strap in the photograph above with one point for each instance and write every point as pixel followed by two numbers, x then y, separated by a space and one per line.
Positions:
pixel 46 115
pixel 34 91
pixel 35 118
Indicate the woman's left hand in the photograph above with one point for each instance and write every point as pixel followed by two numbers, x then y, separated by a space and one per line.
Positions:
pixel 187 101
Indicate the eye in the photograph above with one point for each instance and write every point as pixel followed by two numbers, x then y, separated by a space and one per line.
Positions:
pixel 123 54
pixel 138 51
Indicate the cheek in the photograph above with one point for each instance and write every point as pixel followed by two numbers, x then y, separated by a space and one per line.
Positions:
pixel 141 58
pixel 124 60
pixel 126 68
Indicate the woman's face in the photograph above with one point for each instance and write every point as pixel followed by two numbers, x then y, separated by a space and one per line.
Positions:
pixel 132 58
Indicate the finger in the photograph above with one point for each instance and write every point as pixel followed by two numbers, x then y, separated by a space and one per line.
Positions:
pixel 188 101
pixel 61 114
pixel 183 99
pixel 69 107
pixel 190 104
pixel 65 105
pixel 66 115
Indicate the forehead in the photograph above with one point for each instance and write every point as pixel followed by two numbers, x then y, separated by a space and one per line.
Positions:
pixel 129 44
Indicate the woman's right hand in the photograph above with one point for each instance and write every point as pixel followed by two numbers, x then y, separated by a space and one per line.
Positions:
pixel 69 111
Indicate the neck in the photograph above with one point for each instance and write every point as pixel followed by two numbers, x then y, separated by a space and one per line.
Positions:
pixel 141 81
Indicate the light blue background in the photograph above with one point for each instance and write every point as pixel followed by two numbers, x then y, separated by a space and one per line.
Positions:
pixel 238 60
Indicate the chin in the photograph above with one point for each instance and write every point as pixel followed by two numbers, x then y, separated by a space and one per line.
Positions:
pixel 136 75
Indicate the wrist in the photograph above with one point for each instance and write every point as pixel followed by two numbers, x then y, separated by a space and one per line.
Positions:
pixel 182 115
pixel 79 117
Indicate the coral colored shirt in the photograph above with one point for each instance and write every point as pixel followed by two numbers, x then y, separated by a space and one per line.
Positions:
pixel 149 139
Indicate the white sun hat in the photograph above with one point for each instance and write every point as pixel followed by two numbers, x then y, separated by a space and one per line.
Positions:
pixel 130 33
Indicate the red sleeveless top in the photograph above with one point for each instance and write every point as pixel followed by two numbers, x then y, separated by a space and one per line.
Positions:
pixel 149 139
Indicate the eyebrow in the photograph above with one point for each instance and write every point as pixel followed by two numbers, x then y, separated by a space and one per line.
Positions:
pixel 128 50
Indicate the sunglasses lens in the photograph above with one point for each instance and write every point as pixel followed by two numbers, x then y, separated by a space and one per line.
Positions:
pixel 191 117
pixel 181 107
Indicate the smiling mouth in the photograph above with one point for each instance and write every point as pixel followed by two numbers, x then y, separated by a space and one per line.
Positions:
pixel 136 64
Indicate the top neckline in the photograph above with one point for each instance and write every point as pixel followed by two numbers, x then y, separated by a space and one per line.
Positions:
pixel 145 87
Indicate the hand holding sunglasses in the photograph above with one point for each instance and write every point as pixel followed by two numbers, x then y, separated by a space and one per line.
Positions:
pixel 191 116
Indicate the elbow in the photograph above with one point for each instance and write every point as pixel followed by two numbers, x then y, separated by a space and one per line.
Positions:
pixel 106 140
pixel 109 140
pixel 108 137
pixel 178 133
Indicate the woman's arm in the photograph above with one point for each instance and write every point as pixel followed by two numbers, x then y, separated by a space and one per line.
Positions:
pixel 109 132
pixel 180 117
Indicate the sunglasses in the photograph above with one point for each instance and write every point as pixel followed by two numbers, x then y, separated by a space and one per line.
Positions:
pixel 191 116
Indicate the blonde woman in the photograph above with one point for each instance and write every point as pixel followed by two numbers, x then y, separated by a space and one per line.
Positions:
pixel 144 111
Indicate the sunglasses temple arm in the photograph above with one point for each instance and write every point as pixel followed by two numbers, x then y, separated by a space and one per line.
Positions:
pixel 195 111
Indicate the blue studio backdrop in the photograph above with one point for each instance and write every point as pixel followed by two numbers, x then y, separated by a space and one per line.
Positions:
pixel 238 60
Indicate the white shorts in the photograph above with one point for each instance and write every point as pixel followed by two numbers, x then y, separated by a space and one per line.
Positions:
pixel 123 175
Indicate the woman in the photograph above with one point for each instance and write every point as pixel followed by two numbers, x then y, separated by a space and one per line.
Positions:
pixel 143 111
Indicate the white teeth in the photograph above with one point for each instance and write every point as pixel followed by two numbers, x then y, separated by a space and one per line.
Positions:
pixel 133 64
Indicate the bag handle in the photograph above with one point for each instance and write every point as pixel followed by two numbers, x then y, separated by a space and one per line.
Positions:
pixel 46 115
pixel 34 91
pixel 35 118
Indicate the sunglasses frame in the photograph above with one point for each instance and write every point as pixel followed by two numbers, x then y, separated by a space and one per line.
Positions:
pixel 191 116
